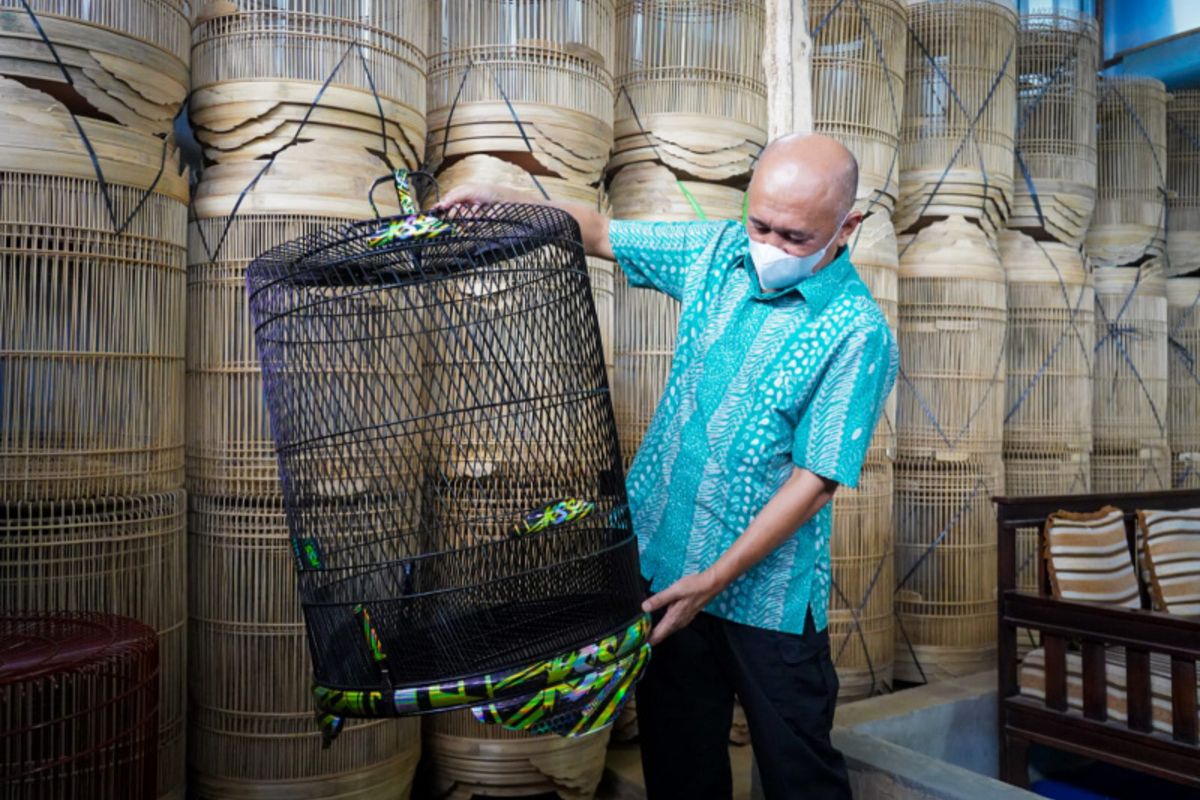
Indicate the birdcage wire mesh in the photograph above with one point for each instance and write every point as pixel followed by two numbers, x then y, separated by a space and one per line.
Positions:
pixel 462 371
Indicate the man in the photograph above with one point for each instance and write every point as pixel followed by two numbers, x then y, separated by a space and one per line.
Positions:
pixel 782 364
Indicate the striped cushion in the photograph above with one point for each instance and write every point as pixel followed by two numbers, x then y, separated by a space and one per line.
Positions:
pixel 1172 555
pixel 1033 684
pixel 1088 558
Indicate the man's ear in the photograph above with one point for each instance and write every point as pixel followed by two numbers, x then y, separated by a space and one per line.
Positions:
pixel 853 220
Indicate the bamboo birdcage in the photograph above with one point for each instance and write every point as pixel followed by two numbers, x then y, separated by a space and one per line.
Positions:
pixel 645 320
pixel 1183 183
pixel 861 633
pixel 552 60
pixel 92 323
pixel 874 253
pixel 122 555
pixel 953 315
pixel 257 69
pixel 229 446
pixel 956 137
pixel 469 760
pixel 127 61
pixel 487 170
pixel 1131 142
pixel 1051 336
pixel 691 89
pixel 1057 58
pixel 252 730
pixel 946 566
pixel 1130 390
pixel 858 88
pixel 78 706
pixel 1183 401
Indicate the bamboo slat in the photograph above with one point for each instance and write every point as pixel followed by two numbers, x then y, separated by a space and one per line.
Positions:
pixel 1139 469
pixel 873 251
pixel 946 539
pixel 469 759
pixel 1057 58
pixel 1183 182
pixel 252 730
pixel 1051 336
pixel 858 88
pixel 552 60
pixel 953 315
pixel 645 320
pixel 1183 402
pixel 113 74
pixel 861 632
pixel 257 68
pixel 956 136
pixel 488 170
pixel 1131 143
pixel 695 96
pixel 91 321
pixel 229 447
pixel 120 555
pixel 1130 394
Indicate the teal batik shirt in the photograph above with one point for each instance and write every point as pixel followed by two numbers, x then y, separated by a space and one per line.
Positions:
pixel 759 382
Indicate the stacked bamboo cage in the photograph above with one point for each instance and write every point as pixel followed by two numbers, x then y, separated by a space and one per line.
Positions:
pixel 1183 183
pixel 861 627
pixel 1129 220
pixel 481 169
pixel 949 462
pixel 529 81
pixel 646 320
pixel 1048 402
pixel 956 137
pixel 1131 451
pixel 91 408
pixel 858 88
pixel 692 95
pixel 253 733
pixel 1055 175
pixel 1183 399
pixel 256 66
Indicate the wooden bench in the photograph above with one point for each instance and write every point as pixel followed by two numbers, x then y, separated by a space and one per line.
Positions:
pixel 1090 630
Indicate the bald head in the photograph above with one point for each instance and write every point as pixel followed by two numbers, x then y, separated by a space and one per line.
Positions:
pixel 803 187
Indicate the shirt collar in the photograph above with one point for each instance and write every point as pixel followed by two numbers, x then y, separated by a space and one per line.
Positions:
pixel 817 289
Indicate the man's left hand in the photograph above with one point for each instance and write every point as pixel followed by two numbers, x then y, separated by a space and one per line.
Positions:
pixel 683 600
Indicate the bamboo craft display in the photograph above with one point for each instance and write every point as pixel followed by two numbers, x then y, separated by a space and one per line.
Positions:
pixel 949 443
pixel 875 255
pixel 1183 400
pixel 252 730
pixel 645 320
pixel 229 446
pixel 122 555
pixel 1131 451
pixel 858 64
pixel 551 60
pixel 78 706
pixel 1057 58
pixel 1131 142
pixel 488 170
pixel 91 319
pixel 257 70
pixel 956 137
pixel 127 61
pixel 1183 183
pixel 691 89
pixel 472 760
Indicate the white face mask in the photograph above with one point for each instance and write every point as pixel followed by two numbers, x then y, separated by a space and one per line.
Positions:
pixel 778 269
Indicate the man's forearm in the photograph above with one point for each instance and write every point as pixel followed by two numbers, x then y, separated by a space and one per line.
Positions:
pixel 797 501
pixel 593 226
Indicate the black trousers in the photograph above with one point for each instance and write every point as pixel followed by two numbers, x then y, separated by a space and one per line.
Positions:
pixel 788 688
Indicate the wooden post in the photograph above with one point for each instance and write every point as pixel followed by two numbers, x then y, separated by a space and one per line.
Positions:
pixel 787 64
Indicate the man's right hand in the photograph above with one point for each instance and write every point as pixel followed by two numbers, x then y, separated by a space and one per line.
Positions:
pixel 479 194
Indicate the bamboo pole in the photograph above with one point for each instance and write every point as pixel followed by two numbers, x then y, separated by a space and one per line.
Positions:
pixel 787 63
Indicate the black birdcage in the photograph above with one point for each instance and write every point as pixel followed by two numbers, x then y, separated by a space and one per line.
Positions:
pixel 450 469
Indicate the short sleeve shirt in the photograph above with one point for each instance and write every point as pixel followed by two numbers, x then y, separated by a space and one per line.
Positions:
pixel 759 382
